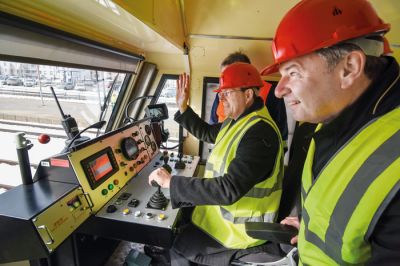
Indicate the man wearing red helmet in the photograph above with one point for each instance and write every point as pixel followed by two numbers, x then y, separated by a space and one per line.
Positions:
pixel 242 180
pixel 329 54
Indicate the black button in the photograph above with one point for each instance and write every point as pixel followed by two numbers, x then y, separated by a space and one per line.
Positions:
pixel 111 208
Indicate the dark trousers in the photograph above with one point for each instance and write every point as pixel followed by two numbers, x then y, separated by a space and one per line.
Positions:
pixel 192 246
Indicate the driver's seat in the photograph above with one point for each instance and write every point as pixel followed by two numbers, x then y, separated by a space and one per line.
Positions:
pixel 265 259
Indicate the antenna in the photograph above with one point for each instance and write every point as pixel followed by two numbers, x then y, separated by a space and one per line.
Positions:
pixel 58 103
pixel 69 123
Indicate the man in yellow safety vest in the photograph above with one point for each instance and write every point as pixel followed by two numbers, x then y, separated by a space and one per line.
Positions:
pixel 334 72
pixel 243 174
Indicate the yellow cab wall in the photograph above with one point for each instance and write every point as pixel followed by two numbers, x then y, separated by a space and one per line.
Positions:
pixel 158 29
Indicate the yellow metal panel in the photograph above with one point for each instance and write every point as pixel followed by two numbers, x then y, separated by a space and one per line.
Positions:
pixel 61 219
pixel 98 20
pixel 163 16
pixel 251 18
pixel 206 54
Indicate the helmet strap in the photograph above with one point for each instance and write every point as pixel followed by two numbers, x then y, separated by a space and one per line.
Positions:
pixel 370 46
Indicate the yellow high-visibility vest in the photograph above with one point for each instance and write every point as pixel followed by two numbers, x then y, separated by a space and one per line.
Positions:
pixel 343 204
pixel 226 223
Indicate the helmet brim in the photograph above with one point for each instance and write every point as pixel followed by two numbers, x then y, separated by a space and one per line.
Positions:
pixel 271 69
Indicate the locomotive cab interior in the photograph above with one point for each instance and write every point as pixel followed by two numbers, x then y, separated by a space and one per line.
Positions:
pixel 75 203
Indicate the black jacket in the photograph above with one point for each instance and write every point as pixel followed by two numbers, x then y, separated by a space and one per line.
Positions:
pixel 376 101
pixel 254 161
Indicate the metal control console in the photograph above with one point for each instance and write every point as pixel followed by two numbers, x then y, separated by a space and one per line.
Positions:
pixel 127 216
pixel 130 204
pixel 35 219
pixel 102 166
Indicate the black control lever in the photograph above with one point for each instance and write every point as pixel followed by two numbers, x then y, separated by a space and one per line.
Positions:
pixel 154 183
pixel 180 164
pixel 158 200
pixel 166 166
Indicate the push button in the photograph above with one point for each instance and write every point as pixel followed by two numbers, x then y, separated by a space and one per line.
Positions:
pixel 126 211
pixel 161 217
pixel 111 209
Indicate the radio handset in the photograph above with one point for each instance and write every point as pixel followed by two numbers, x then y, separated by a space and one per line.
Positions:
pixel 68 123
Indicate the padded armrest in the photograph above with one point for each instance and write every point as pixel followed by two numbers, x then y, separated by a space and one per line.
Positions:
pixel 274 232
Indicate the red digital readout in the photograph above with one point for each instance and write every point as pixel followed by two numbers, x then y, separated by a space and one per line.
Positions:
pixel 100 167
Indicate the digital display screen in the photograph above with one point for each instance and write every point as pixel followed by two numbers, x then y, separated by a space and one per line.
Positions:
pixel 157 112
pixel 99 166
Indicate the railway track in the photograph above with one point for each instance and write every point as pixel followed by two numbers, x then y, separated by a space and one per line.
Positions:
pixel 35 129
pixel 66 96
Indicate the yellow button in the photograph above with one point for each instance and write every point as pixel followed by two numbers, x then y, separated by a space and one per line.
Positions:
pixel 161 216
pixel 126 211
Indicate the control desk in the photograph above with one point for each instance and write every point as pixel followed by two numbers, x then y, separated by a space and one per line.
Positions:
pixel 130 214
pixel 99 187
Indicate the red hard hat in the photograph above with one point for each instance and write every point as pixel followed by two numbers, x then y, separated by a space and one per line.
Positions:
pixel 315 24
pixel 386 47
pixel 239 75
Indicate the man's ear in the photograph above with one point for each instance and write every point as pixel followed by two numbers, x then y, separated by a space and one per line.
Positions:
pixel 352 68
pixel 250 94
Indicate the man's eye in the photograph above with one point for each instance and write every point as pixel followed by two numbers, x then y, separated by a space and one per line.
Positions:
pixel 294 74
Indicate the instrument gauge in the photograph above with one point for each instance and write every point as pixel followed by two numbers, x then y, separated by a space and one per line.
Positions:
pixel 153 146
pixel 147 140
pixel 147 128
pixel 129 148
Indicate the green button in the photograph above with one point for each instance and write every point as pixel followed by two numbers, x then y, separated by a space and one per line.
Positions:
pixel 104 191
pixel 110 187
pixel 77 204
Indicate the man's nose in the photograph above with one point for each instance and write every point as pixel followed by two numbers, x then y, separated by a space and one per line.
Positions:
pixel 282 88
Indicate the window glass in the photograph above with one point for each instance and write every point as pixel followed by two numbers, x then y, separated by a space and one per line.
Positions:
pixel 209 85
pixel 167 96
pixel 27 105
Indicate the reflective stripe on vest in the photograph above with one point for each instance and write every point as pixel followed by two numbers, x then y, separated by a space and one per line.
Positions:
pixel 226 223
pixel 342 206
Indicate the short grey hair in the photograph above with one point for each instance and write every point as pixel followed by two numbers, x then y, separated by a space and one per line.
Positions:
pixel 373 65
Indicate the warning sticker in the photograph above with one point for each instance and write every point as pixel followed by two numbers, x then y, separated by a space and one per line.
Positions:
pixel 59 162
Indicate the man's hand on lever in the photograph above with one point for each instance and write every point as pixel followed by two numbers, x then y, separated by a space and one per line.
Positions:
pixel 161 176
pixel 293 221
pixel 182 92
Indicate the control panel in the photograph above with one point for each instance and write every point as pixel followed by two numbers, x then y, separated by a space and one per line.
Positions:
pixel 104 166
pixel 141 203
pixel 36 218
pixel 61 219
